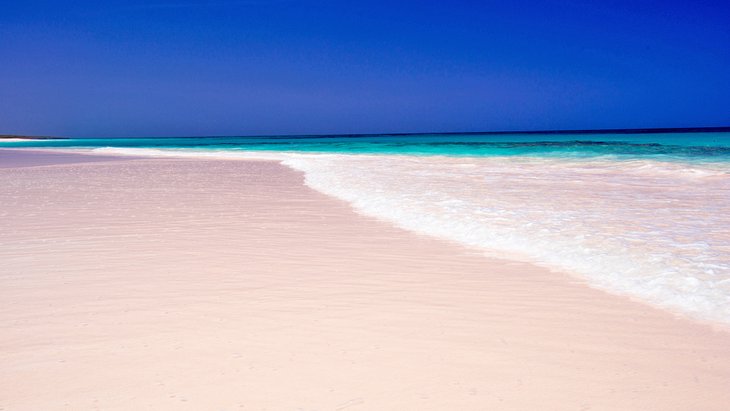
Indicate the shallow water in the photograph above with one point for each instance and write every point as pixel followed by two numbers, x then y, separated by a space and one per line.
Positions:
pixel 658 231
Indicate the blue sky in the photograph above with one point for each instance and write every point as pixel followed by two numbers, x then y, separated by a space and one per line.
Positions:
pixel 166 68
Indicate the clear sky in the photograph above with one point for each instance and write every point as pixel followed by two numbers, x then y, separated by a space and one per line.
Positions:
pixel 188 67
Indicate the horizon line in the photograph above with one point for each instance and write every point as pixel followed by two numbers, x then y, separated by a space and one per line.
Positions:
pixel 643 130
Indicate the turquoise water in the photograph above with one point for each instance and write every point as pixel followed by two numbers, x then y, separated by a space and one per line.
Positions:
pixel 694 146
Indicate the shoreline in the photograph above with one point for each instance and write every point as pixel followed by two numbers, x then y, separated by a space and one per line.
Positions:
pixel 239 285
pixel 575 275
pixel 34 157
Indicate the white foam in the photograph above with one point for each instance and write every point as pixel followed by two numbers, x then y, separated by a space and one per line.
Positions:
pixel 654 230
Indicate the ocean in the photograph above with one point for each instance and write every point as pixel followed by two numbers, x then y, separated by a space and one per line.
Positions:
pixel 646 215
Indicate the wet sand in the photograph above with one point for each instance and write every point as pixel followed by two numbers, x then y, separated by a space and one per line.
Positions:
pixel 191 284
pixel 10 158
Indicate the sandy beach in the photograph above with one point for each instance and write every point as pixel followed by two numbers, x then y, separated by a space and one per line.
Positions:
pixel 178 284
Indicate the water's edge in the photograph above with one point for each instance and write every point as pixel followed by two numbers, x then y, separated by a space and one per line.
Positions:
pixel 646 229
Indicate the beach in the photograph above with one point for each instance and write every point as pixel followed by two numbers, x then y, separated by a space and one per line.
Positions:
pixel 188 284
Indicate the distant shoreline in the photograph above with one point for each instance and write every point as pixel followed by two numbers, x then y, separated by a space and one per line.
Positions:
pixel 21 137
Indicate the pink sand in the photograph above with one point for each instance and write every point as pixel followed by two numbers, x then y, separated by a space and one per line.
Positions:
pixel 15 158
pixel 223 285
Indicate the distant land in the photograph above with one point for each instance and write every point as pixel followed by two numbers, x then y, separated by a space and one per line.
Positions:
pixel 2 136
